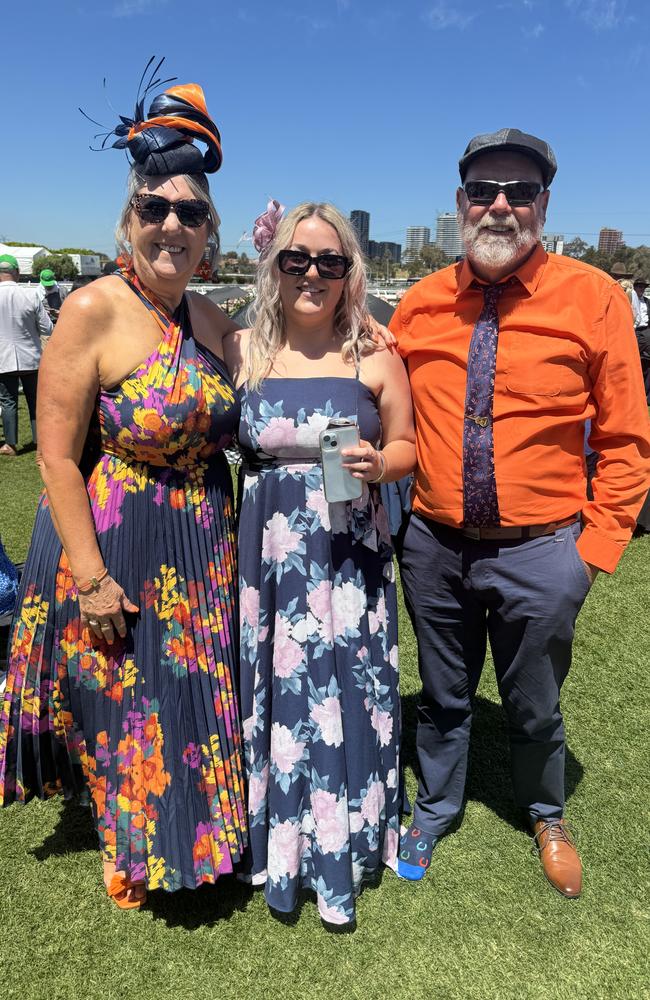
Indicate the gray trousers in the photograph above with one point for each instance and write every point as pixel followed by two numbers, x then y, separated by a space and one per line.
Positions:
pixel 9 402
pixel 522 595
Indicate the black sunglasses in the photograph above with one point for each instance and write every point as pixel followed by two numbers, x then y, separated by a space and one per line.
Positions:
pixel 517 193
pixel 328 265
pixel 152 208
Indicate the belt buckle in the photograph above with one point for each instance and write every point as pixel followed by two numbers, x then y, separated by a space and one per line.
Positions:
pixel 473 533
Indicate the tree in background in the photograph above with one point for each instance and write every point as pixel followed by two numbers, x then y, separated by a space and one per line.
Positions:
pixel 91 253
pixel 234 267
pixel 602 260
pixel 576 248
pixel 227 267
pixel 415 267
pixel 640 261
pixel 434 257
pixel 63 266
pixel 382 268
pixel 15 243
pixel 245 264
pixel 636 259
pixel 430 258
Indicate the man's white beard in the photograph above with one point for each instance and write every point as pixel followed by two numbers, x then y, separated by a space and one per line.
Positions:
pixel 492 250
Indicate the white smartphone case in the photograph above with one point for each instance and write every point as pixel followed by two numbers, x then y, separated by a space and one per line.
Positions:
pixel 338 483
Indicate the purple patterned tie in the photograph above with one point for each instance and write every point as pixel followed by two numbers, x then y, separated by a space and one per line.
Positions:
pixel 480 503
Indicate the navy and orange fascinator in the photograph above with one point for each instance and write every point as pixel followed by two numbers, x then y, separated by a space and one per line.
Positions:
pixel 162 143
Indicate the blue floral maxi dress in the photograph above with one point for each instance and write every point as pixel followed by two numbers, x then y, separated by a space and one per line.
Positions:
pixel 149 723
pixel 319 660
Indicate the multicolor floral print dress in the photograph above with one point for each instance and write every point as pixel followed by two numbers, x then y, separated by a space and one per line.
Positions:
pixel 151 722
pixel 319 661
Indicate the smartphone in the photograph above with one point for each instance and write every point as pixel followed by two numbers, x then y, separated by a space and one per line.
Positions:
pixel 338 482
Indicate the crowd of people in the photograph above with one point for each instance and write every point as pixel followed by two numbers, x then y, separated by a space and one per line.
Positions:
pixel 227 688
pixel 27 319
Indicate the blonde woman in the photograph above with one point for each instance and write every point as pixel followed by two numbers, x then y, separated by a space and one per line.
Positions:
pixel 319 660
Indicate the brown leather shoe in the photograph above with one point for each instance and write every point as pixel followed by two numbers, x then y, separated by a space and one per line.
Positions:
pixel 560 859
pixel 8 450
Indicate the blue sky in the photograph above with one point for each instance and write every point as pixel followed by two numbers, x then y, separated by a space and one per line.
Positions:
pixel 366 103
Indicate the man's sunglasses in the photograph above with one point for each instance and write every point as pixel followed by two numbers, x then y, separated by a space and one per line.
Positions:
pixel 328 265
pixel 517 193
pixel 153 209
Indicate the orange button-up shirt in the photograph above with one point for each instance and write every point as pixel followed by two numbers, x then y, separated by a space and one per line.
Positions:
pixel 566 354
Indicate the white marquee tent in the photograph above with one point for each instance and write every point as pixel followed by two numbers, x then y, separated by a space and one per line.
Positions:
pixel 25 256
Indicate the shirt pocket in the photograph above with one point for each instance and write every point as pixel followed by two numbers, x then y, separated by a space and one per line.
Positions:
pixel 561 377
pixel 523 386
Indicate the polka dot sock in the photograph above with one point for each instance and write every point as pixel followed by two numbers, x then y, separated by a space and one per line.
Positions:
pixel 415 851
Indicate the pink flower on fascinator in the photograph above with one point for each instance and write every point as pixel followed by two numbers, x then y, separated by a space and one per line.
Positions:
pixel 265 226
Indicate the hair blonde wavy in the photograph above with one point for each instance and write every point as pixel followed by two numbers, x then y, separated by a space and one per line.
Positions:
pixel 135 182
pixel 351 321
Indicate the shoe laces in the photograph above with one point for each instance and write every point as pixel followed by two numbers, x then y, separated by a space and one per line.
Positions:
pixel 558 832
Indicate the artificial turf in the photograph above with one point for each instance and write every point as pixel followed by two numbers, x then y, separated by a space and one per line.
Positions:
pixel 483 925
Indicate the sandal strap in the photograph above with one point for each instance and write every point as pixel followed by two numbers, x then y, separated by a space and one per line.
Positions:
pixel 118 888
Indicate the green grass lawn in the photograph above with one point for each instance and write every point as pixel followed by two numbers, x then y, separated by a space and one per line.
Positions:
pixel 484 925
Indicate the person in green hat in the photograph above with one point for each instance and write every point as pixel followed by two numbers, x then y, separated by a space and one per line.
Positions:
pixel 23 321
pixel 51 292
pixel 48 278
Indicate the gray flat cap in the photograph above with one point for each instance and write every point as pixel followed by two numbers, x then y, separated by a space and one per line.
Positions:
pixel 516 141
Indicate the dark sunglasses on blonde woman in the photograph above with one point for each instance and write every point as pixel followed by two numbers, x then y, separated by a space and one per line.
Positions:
pixel 328 265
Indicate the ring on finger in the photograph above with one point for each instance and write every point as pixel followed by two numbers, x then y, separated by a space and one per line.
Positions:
pixel 93 621
pixel 105 627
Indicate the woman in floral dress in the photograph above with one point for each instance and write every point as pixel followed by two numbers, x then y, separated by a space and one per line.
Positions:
pixel 123 650
pixel 319 659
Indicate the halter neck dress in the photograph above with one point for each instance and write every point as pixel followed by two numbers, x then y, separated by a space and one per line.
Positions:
pixel 319 658
pixel 149 723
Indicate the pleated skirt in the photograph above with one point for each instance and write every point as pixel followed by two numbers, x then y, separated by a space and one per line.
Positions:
pixel 149 724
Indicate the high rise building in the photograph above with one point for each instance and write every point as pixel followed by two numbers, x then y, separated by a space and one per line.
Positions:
pixel 553 242
pixel 361 222
pixel 609 240
pixel 416 238
pixel 448 236
pixel 378 251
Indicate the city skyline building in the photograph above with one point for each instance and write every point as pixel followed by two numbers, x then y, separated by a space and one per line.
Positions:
pixel 448 236
pixel 416 238
pixel 553 242
pixel 361 222
pixel 609 240
pixel 377 250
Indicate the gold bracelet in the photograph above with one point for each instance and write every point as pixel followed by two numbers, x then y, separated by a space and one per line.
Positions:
pixel 89 585
pixel 380 477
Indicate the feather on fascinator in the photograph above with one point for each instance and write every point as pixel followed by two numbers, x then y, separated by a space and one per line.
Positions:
pixel 162 142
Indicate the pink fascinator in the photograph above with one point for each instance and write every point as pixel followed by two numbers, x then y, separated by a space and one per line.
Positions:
pixel 265 226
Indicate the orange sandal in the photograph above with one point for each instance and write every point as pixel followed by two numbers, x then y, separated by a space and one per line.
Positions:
pixel 118 890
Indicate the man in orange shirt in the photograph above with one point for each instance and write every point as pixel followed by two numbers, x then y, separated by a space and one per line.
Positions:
pixel 509 353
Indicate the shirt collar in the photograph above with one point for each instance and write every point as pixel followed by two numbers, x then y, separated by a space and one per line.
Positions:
pixel 528 274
